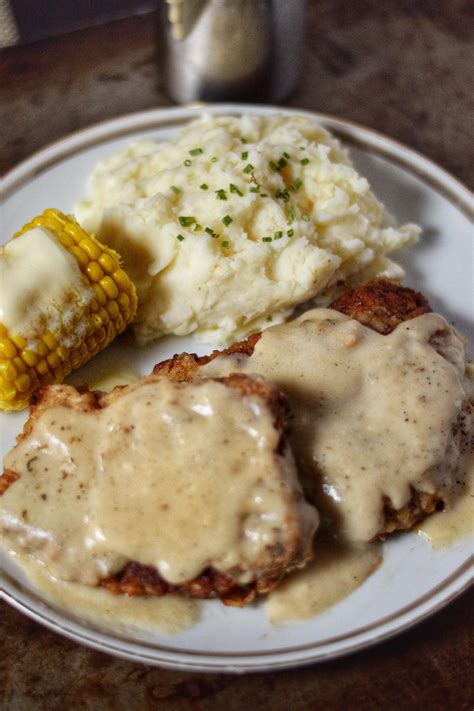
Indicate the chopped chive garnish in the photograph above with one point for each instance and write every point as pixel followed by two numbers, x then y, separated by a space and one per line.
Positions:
pixel 185 221
pixel 302 148
pixel 180 237
pixel 195 152
pixel 278 234
pixel 256 189
pixel 224 244
pixel 227 220
pixel 175 189
pixel 221 194
pixel 197 227
pixel 209 231
pixel 215 235
pixel 290 233
pixel 285 155
pixel 187 162
pixel 304 161
pixel 248 168
pixel 297 185
pixel 266 239
pixel 283 195
pixel 244 140
pixel 245 155
pixel 282 162
pixel 274 166
pixel 306 218
pixel 204 186
pixel 234 189
pixel 263 194
pixel 292 214
pixel 214 159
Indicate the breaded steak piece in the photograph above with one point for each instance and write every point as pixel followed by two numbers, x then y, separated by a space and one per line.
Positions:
pixel 255 568
pixel 381 306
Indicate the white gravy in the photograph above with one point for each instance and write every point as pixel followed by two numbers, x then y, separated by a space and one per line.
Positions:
pixel 176 476
pixel 373 415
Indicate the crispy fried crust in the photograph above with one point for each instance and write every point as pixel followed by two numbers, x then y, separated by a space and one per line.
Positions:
pixel 380 305
pixel 136 579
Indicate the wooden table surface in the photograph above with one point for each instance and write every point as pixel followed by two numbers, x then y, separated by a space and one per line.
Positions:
pixel 399 66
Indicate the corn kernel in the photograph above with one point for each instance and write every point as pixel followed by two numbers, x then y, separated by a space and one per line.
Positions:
pixel 100 295
pixel 20 367
pixel 58 374
pixel 108 285
pixel 91 343
pixel 50 340
pixel 7 371
pixel 42 367
pixel 110 330
pixel 104 316
pixel 23 383
pixel 52 212
pixel 29 357
pixel 80 255
pixel 91 248
pixel 101 335
pixel 83 350
pixel 113 309
pixel 19 341
pixel 121 279
pixel 95 322
pixel 7 349
pixel 65 239
pixel 75 358
pixel 123 300
pixel 62 353
pixel 53 360
pixel 3 331
pixel 119 324
pixel 7 391
pixel 107 262
pixel 94 271
pixel 42 349
pixel 74 230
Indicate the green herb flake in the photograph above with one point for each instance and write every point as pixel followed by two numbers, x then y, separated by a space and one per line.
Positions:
pixel 180 238
pixel 225 244
pixel 195 152
pixel 290 233
pixel 256 189
pixel 248 168
pixel 188 162
pixel 221 194
pixel 234 189
pixel 209 231
pixel 283 195
pixel 214 159
pixel 204 186
pixel 186 221
pixel 278 234
pixel 304 161
pixel 245 155
pixel 197 227
pixel 227 220
pixel 266 239
pixel 285 155
pixel 282 163
pixel 297 184
pixel 175 189
pixel 263 195
pixel 292 214
pixel 274 166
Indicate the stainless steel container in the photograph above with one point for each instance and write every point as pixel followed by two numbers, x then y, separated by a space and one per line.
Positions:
pixel 229 50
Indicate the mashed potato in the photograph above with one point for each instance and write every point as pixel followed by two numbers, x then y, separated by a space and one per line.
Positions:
pixel 228 227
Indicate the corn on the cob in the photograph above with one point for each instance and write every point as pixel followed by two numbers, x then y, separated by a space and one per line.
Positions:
pixel 25 362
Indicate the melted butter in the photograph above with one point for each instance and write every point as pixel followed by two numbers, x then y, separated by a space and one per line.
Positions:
pixel 41 285
pixel 457 521
pixel 373 415
pixel 179 477
pixel 336 571
pixel 169 614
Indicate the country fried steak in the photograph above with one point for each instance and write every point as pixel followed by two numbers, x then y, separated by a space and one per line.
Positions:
pixel 381 306
pixel 289 547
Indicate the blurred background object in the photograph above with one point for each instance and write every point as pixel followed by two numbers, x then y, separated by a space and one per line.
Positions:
pixel 25 21
pixel 232 50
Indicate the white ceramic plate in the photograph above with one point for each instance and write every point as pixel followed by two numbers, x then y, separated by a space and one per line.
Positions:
pixel 413 580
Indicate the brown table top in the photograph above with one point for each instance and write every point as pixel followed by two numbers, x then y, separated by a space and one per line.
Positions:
pixel 402 68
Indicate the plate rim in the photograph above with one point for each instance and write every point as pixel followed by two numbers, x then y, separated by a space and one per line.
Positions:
pixel 351 132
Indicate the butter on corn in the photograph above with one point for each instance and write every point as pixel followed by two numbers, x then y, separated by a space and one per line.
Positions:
pixel 63 298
